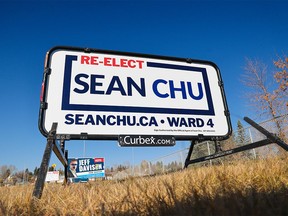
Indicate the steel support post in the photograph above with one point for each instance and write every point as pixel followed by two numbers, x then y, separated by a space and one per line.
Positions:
pixel 39 185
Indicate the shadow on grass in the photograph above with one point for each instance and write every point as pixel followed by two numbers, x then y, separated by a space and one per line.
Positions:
pixel 272 203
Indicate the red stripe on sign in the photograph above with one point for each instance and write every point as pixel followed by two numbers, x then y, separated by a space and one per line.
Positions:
pixel 98 160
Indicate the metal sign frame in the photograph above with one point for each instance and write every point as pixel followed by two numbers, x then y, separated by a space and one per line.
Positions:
pixel 181 64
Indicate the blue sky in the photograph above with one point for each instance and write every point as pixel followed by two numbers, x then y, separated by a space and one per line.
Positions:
pixel 224 32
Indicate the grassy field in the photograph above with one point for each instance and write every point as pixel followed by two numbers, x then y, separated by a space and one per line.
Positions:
pixel 258 187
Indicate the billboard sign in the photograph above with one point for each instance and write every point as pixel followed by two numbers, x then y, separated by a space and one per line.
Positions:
pixel 100 94
pixel 86 168
pixel 52 176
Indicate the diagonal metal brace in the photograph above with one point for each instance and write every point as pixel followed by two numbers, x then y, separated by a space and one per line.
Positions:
pixel 229 152
pixel 270 136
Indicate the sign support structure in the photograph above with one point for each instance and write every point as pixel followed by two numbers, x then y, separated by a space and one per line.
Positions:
pixel 60 152
pixel 137 99
pixel 271 138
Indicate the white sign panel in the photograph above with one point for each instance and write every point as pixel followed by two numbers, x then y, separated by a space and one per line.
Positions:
pixel 96 94
pixel 52 176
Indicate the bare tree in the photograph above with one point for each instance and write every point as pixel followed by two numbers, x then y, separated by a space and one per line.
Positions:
pixel 281 77
pixel 268 89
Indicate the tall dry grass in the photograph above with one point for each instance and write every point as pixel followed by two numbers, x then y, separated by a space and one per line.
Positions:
pixel 243 188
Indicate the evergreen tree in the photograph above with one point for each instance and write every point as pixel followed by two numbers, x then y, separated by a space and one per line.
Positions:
pixel 241 138
pixel 36 171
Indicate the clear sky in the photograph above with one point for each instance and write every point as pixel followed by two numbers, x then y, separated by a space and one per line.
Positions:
pixel 224 32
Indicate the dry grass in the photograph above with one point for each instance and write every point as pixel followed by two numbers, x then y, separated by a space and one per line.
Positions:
pixel 244 188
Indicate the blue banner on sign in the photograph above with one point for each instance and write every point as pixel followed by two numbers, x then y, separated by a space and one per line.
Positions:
pixel 86 168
